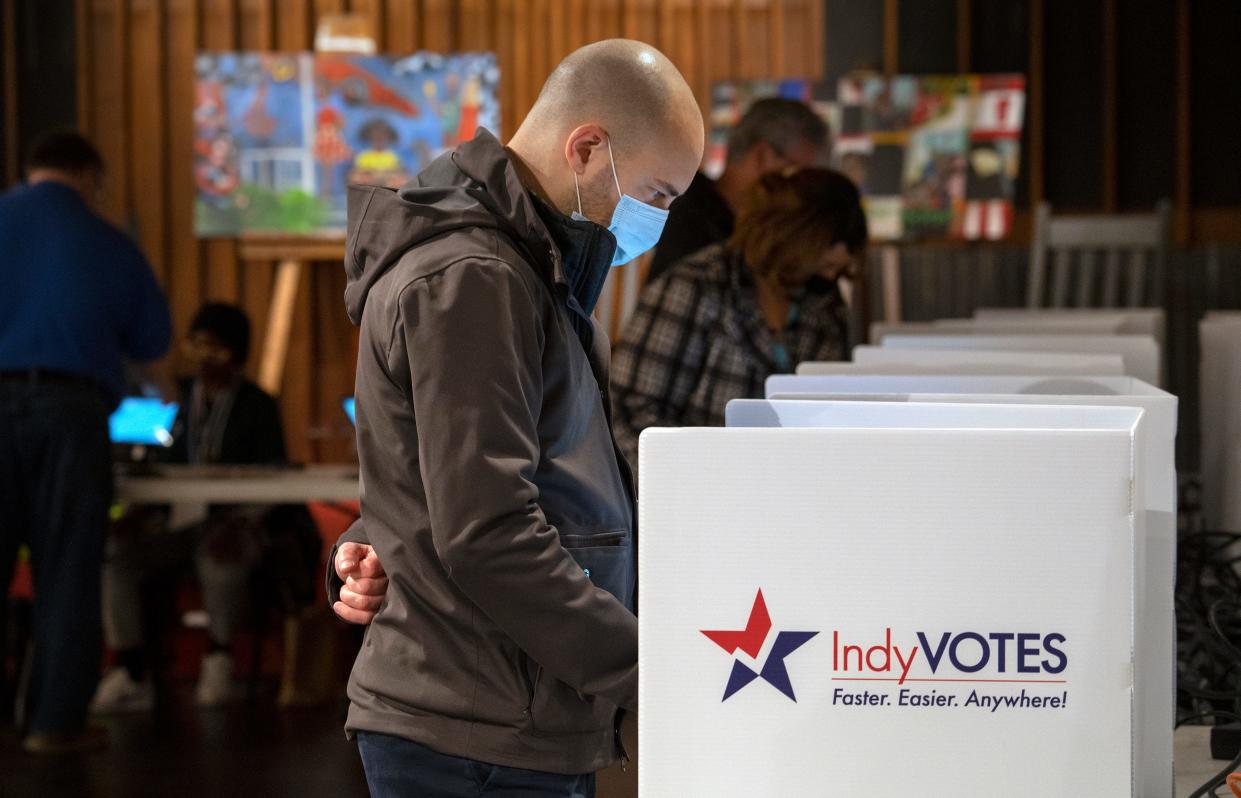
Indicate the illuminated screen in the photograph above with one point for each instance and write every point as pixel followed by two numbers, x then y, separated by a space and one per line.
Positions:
pixel 143 421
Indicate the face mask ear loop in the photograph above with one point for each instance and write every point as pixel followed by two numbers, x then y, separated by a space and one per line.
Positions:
pixel 577 190
pixel 615 179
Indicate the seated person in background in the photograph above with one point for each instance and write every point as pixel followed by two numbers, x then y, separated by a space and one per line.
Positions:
pixel 774 134
pixel 719 322
pixel 224 419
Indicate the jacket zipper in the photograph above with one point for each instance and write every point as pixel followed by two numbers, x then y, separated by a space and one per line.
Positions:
pixel 620 742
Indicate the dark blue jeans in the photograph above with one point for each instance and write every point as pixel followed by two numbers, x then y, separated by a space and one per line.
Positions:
pixel 396 768
pixel 55 489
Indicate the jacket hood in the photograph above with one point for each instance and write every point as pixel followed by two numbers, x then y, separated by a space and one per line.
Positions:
pixel 474 187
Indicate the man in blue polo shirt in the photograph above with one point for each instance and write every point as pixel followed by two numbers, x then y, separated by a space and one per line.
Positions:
pixel 77 300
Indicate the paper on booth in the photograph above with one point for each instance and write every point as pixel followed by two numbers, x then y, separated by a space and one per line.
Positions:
pixel 1057 325
pixel 1140 352
pixel 1156 559
pixel 864 541
pixel 978 361
pixel 1047 325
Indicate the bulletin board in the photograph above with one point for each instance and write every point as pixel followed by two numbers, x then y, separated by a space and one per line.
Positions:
pixel 935 157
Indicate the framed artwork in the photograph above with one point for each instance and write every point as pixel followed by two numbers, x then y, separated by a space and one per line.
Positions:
pixel 279 137
pixel 934 156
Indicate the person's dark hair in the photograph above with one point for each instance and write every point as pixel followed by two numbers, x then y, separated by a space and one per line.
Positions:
pixel 782 123
pixel 789 219
pixel 378 125
pixel 64 151
pixel 227 323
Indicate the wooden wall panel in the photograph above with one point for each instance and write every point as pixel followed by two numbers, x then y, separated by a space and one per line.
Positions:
pixel 323 8
pixel 721 56
pixel 335 347
pixel 257 32
pixel 136 95
pixel 147 144
pixel 291 19
pixel 557 33
pixel 82 11
pixel 536 35
pixel 184 287
pixel 476 25
pixel 576 23
pixel 374 12
pixel 640 20
pixel 750 32
pixel 506 57
pixel 299 395
pixel 439 25
pixel 107 35
pixel 397 32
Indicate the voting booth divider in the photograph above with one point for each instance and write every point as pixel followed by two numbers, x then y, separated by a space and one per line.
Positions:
pixel 1087 326
pixel 885 360
pixel 1133 321
pixel 1155 571
pixel 1219 336
pixel 1141 354
pixel 846 598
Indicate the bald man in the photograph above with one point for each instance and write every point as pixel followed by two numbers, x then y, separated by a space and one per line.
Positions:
pixel 493 492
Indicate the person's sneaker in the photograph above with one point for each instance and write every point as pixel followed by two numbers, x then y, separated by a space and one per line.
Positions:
pixel 118 692
pixel 215 682
pixel 92 738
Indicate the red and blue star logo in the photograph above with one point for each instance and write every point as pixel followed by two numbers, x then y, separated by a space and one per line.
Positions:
pixel 751 640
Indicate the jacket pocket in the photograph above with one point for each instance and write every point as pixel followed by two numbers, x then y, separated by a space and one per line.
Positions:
pixel 607 558
pixel 557 709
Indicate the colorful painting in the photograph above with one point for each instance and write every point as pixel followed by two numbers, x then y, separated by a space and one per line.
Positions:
pixel 935 157
pixel 279 137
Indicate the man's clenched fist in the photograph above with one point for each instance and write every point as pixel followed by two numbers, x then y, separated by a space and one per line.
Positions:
pixel 358 566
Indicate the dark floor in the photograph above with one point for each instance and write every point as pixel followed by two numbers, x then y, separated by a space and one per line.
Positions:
pixel 253 748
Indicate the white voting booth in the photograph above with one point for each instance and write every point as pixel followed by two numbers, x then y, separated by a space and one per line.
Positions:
pixel 850 598
pixel 1155 560
pixel 1219 373
pixel 1089 325
pixel 879 359
pixel 1140 352
pixel 1133 321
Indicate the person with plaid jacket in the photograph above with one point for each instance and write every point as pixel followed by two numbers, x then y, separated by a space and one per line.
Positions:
pixel 719 322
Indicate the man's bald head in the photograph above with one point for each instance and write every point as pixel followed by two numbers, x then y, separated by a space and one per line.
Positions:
pixel 628 87
pixel 616 102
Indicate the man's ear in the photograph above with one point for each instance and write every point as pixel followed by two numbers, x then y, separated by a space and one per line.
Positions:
pixel 766 159
pixel 583 144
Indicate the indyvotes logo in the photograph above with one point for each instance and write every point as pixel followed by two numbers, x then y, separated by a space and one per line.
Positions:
pixel 750 640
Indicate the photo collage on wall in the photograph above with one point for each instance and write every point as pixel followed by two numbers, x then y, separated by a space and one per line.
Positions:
pixel 934 156
pixel 279 137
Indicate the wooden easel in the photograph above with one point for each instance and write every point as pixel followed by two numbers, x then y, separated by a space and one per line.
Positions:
pixel 292 254
pixel 306 678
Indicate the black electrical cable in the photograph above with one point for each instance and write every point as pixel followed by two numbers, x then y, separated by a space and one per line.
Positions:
pixel 1219 778
pixel 1208 612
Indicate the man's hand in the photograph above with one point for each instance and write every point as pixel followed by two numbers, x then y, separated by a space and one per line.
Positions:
pixel 358 566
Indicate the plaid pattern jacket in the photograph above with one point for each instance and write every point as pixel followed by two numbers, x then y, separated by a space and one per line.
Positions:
pixel 698 339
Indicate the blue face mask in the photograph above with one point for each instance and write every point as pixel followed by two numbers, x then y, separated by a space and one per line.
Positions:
pixel 636 225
